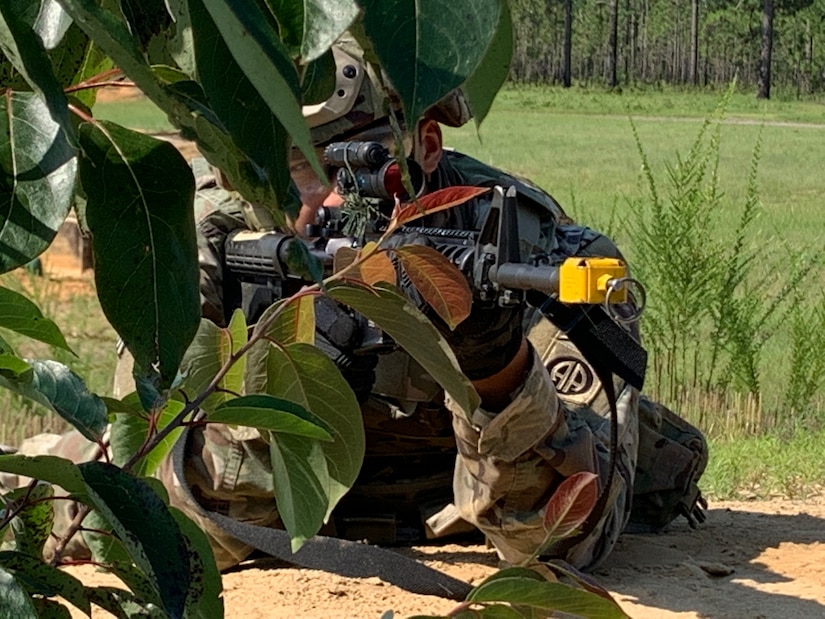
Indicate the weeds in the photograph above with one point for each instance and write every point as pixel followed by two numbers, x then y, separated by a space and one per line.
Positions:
pixel 711 312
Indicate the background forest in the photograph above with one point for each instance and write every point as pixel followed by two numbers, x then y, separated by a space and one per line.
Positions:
pixel 618 43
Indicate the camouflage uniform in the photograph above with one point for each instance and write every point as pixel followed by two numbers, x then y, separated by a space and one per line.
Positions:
pixel 504 466
pixel 508 464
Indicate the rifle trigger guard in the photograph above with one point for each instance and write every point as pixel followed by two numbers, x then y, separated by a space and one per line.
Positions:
pixel 634 287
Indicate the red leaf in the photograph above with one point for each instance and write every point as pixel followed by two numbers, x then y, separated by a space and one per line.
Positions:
pixel 571 504
pixel 434 202
pixel 440 283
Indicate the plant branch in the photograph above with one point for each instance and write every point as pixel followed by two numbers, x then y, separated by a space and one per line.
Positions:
pixel 214 384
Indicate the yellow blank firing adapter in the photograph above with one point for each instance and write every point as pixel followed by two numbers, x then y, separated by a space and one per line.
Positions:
pixel 592 280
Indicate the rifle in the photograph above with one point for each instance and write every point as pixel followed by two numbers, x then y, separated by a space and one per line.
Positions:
pixel 493 259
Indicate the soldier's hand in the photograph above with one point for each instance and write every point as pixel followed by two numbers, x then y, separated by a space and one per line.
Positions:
pixel 487 340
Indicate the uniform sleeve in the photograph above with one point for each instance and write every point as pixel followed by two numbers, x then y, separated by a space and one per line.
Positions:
pixel 217 215
pixel 510 463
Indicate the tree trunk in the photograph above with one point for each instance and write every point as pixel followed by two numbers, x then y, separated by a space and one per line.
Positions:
pixel 764 86
pixel 568 43
pixel 693 67
pixel 613 45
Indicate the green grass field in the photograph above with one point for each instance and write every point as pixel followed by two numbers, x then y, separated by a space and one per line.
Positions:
pixel 579 145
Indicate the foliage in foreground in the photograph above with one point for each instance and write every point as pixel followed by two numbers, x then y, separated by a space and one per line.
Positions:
pixel 231 76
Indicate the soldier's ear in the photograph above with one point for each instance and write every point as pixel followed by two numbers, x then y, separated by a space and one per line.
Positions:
pixel 428 147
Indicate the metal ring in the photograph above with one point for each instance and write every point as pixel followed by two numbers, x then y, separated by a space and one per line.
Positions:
pixel 635 288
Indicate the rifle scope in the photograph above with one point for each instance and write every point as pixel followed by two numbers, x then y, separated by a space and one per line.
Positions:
pixel 368 169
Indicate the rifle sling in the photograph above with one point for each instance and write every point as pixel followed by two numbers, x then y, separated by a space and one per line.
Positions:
pixel 330 554
pixel 609 350
pixel 605 345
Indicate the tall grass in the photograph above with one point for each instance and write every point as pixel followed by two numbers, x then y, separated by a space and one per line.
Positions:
pixel 712 312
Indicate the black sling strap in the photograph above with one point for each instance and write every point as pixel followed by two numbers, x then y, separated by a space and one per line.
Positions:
pixel 342 557
pixel 609 350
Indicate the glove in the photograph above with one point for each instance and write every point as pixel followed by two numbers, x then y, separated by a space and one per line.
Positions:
pixel 339 334
pixel 487 340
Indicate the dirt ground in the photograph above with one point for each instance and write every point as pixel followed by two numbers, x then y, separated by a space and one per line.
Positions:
pixel 754 560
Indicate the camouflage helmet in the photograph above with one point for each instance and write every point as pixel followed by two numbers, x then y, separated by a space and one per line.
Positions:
pixel 358 101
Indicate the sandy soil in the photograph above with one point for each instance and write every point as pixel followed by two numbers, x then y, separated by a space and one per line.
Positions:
pixel 757 559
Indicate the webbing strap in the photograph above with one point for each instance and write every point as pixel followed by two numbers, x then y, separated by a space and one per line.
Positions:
pixel 610 350
pixel 342 557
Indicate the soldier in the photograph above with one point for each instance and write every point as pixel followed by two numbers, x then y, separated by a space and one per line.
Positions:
pixel 429 472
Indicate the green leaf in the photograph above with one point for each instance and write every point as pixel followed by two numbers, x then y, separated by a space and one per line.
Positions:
pixel 266 412
pixel 145 18
pixel 23 47
pixel 145 526
pixel 311 26
pixel 295 322
pixel 485 82
pixel 318 81
pixel 129 432
pixel 56 387
pixel 183 102
pixel 19 314
pixel 39 173
pixel 129 404
pixel 209 351
pixel 496 612
pixel 424 59
pixel 51 609
pixel 51 469
pixel 123 604
pixel 547 596
pixel 393 312
pixel 303 374
pixel 144 243
pixel 103 544
pixel 585 581
pixel 15 368
pixel 204 600
pixel 240 107
pixel 45 579
pixel 33 524
pixel 266 62
pixel 5 347
pixel 137 581
pixel 514 572
pixel 46 18
pixel 14 599
pixel 304 264
pixel 301 480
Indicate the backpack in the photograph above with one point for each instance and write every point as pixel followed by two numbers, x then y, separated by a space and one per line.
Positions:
pixel 672 456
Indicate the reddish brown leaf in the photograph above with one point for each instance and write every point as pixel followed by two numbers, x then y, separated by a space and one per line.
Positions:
pixel 440 283
pixel 434 202
pixel 571 504
pixel 377 268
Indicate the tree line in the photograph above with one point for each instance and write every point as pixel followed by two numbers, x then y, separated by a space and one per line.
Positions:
pixel 706 43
